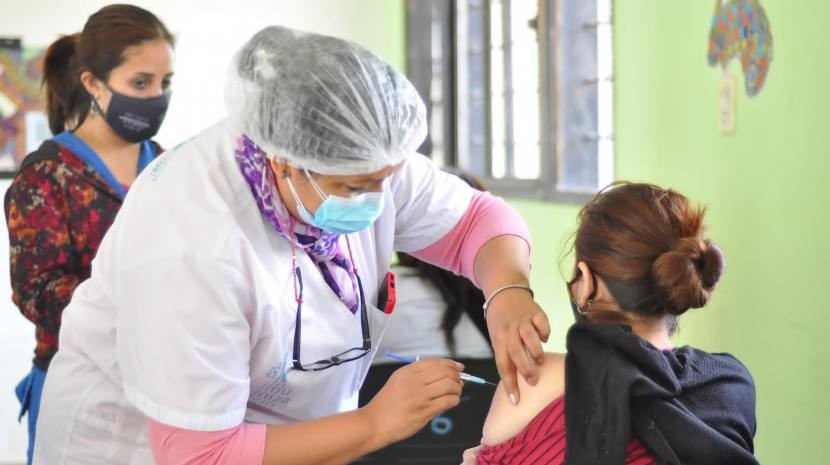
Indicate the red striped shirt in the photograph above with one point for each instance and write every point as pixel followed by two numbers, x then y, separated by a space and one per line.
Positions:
pixel 542 442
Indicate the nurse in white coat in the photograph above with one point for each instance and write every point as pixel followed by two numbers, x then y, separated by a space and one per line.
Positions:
pixel 235 304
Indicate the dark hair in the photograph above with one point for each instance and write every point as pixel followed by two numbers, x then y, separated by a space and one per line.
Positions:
pixel 647 244
pixel 460 295
pixel 98 48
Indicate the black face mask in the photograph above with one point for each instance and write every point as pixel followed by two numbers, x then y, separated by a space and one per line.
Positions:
pixel 135 119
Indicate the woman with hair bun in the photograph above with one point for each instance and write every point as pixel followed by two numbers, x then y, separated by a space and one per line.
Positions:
pixel 623 394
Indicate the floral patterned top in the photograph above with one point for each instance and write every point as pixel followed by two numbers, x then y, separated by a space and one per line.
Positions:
pixel 58 209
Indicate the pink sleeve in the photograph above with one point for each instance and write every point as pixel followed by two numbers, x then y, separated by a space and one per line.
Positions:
pixel 242 445
pixel 486 217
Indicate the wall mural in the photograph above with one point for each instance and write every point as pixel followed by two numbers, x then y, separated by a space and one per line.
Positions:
pixel 23 123
pixel 740 29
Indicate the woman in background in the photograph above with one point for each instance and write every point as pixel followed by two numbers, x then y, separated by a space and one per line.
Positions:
pixel 438 314
pixel 107 90
pixel 624 393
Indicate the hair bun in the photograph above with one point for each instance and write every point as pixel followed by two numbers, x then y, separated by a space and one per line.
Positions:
pixel 711 266
pixel 686 275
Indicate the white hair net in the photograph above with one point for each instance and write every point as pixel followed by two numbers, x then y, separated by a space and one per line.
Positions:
pixel 323 103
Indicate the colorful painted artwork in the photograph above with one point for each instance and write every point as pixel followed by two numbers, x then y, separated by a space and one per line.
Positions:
pixel 23 123
pixel 740 29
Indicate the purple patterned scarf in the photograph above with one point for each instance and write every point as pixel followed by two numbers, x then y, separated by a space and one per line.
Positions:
pixel 323 247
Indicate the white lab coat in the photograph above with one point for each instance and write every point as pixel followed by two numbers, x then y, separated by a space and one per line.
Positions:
pixel 189 314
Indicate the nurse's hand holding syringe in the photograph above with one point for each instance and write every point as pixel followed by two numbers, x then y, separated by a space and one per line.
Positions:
pixel 412 396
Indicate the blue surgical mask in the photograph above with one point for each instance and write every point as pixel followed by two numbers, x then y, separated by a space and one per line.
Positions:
pixel 341 215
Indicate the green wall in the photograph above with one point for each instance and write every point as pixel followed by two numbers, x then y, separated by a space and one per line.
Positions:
pixel 764 188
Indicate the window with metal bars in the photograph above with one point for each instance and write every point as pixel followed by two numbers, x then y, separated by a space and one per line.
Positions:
pixel 523 90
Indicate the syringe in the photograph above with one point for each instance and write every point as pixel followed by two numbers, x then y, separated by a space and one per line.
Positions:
pixel 464 376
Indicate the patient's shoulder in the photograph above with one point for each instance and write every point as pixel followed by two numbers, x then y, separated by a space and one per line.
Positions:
pixel 506 420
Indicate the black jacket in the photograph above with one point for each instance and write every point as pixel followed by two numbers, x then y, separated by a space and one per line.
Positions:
pixel 687 406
